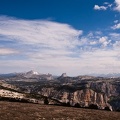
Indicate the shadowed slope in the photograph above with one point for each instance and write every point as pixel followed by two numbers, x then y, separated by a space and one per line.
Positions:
pixel 27 111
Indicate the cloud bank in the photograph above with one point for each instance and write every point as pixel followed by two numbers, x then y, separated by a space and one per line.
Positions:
pixel 117 7
pixel 7 51
pixel 48 46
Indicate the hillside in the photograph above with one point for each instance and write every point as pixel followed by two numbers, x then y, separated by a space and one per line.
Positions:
pixel 28 111
pixel 81 91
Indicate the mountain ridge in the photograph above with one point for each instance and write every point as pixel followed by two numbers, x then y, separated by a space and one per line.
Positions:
pixel 32 72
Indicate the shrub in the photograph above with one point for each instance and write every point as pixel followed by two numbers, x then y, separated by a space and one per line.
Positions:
pixel 93 106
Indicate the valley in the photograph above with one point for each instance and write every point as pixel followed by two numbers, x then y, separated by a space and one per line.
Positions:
pixel 80 91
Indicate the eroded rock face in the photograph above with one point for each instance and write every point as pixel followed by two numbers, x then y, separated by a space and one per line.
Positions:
pixel 110 89
pixel 84 97
pixel 7 93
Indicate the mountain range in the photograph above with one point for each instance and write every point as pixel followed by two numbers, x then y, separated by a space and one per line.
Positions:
pixel 32 72
pixel 79 91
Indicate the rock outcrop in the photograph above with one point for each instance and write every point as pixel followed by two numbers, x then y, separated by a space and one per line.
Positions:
pixel 63 75
pixel 84 97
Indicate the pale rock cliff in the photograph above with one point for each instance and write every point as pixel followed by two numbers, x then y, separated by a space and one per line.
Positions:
pixel 84 97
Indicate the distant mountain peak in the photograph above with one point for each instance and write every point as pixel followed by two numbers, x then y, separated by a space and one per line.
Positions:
pixel 109 75
pixel 64 75
pixel 32 72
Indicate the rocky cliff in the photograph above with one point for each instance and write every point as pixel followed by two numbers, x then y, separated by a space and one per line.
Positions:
pixel 84 98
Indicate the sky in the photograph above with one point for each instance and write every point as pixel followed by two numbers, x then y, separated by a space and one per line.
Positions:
pixel 76 37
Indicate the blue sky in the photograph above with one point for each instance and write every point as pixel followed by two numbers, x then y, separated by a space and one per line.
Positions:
pixel 55 36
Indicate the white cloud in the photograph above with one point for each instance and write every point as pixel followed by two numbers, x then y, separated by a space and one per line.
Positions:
pixel 116 26
pixel 93 43
pixel 90 34
pixel 117 7
pixel 104 7
pixel 110 5
pixel 98 61
pixel 7 51
pixel 116 21
pixel 48 46
pixel 106 3
pixel 115 35
pixel 47 33
pixel 97 7
pixel 104 41
pixel 98 33
pixel 116 45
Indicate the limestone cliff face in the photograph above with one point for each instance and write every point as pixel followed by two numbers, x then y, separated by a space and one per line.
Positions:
pixel 87 96
pixel 110 89
pixel 84 97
